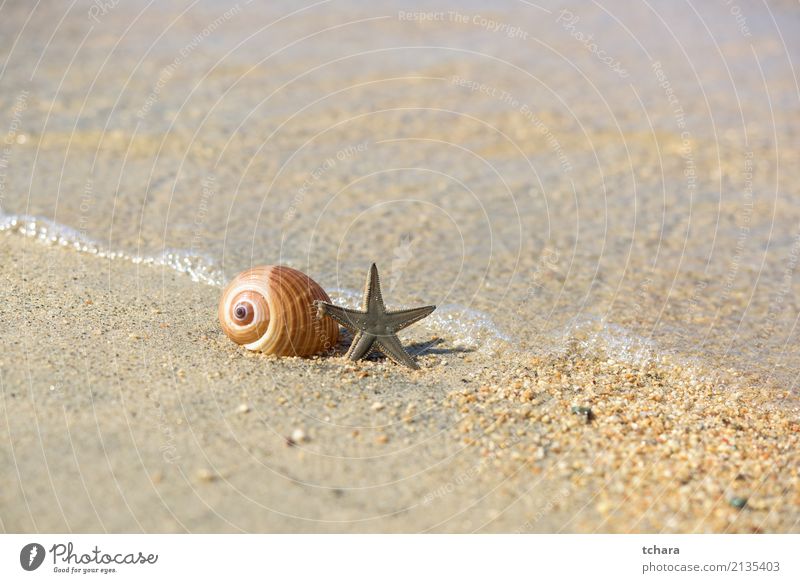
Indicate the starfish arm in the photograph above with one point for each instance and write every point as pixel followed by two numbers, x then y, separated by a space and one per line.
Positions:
pixel 361 346
pixel 391 347
pixel 404 318
pixel 353 320
pixel 373 298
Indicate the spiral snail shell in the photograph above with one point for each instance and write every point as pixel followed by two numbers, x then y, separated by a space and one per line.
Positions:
pixel 271 309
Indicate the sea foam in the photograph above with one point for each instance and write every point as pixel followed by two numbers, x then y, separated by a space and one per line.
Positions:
pixel 200 268
pixel 460 326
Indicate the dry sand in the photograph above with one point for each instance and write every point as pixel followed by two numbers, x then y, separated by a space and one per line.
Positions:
pixel 126 409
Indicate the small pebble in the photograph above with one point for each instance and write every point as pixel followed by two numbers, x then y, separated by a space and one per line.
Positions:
pixel 585 412
pixel 738 502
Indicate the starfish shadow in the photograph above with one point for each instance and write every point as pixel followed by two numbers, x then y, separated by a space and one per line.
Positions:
pixel 414 349
pixel 421 348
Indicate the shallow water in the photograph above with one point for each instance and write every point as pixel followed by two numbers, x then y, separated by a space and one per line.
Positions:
pixel 635 191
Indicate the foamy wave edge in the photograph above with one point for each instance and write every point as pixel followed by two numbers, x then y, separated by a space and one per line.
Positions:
pixel 460 325
pixel 198 267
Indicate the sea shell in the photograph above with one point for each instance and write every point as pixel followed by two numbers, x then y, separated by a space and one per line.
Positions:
pixel 271 309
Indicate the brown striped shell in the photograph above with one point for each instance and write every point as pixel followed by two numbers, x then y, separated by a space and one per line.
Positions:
pixel 271 309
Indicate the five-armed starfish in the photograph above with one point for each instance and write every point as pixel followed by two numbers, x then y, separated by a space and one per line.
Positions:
pixel 374 326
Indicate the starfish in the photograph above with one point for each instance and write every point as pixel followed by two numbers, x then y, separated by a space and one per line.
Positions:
pixel 373 326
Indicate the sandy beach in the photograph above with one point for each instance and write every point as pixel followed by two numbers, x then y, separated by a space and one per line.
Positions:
pixel 611 239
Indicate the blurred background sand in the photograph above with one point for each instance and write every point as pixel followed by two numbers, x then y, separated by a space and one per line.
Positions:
pixel 601 199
